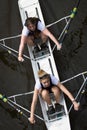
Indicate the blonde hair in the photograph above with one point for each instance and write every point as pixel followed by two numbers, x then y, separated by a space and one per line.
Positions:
pixel 42 74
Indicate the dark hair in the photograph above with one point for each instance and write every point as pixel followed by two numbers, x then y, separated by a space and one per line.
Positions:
pixel 32 20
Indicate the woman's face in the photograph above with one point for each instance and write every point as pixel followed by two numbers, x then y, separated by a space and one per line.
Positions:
pixel 46 82
pixel 31 27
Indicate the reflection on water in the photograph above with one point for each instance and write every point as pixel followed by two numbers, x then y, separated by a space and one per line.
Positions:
pixel 77 39
pixel 12 62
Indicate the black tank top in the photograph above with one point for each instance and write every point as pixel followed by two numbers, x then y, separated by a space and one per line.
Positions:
pixel 48 88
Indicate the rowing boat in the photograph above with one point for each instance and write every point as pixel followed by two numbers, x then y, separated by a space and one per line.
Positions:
pixel 44 60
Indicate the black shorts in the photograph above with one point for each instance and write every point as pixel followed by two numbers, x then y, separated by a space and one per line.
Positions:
pixel 49 88
pixel 36 39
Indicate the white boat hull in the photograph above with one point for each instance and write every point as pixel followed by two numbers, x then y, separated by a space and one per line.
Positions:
pixel 58 123
pixel 29 9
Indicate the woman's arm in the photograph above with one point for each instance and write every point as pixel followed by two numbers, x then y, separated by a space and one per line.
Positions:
pixel 50 35
pixel 33 106
pixel 21 47
pixel 70 96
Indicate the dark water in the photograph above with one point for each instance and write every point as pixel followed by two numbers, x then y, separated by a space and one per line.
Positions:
pixel 18 77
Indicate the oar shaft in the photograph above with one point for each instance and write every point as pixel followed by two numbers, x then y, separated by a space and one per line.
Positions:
pixel 12 52
pixel 81 88
pixel 9 51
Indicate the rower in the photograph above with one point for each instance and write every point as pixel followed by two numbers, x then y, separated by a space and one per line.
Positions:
pixel 45 84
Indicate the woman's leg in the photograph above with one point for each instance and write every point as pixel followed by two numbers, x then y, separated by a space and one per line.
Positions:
pixel 46 97
pixel 56 93
pixel 30 40
pixel 41 39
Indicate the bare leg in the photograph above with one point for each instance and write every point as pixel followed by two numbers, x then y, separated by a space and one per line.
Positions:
pixel 46 96
pixel 56 93
pixel 30 40
pixel 43 37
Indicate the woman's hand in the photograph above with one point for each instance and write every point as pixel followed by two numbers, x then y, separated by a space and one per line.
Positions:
pixel 76 105
pixel 59 47
pixel 20 58
pixel 32 120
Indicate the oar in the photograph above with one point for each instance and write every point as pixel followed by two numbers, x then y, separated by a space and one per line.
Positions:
pixel 12 52
pixel 8 50
pixel 65 30
pixel 5 100
pixel 17 107
pixel 80 90
pixel 74 11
